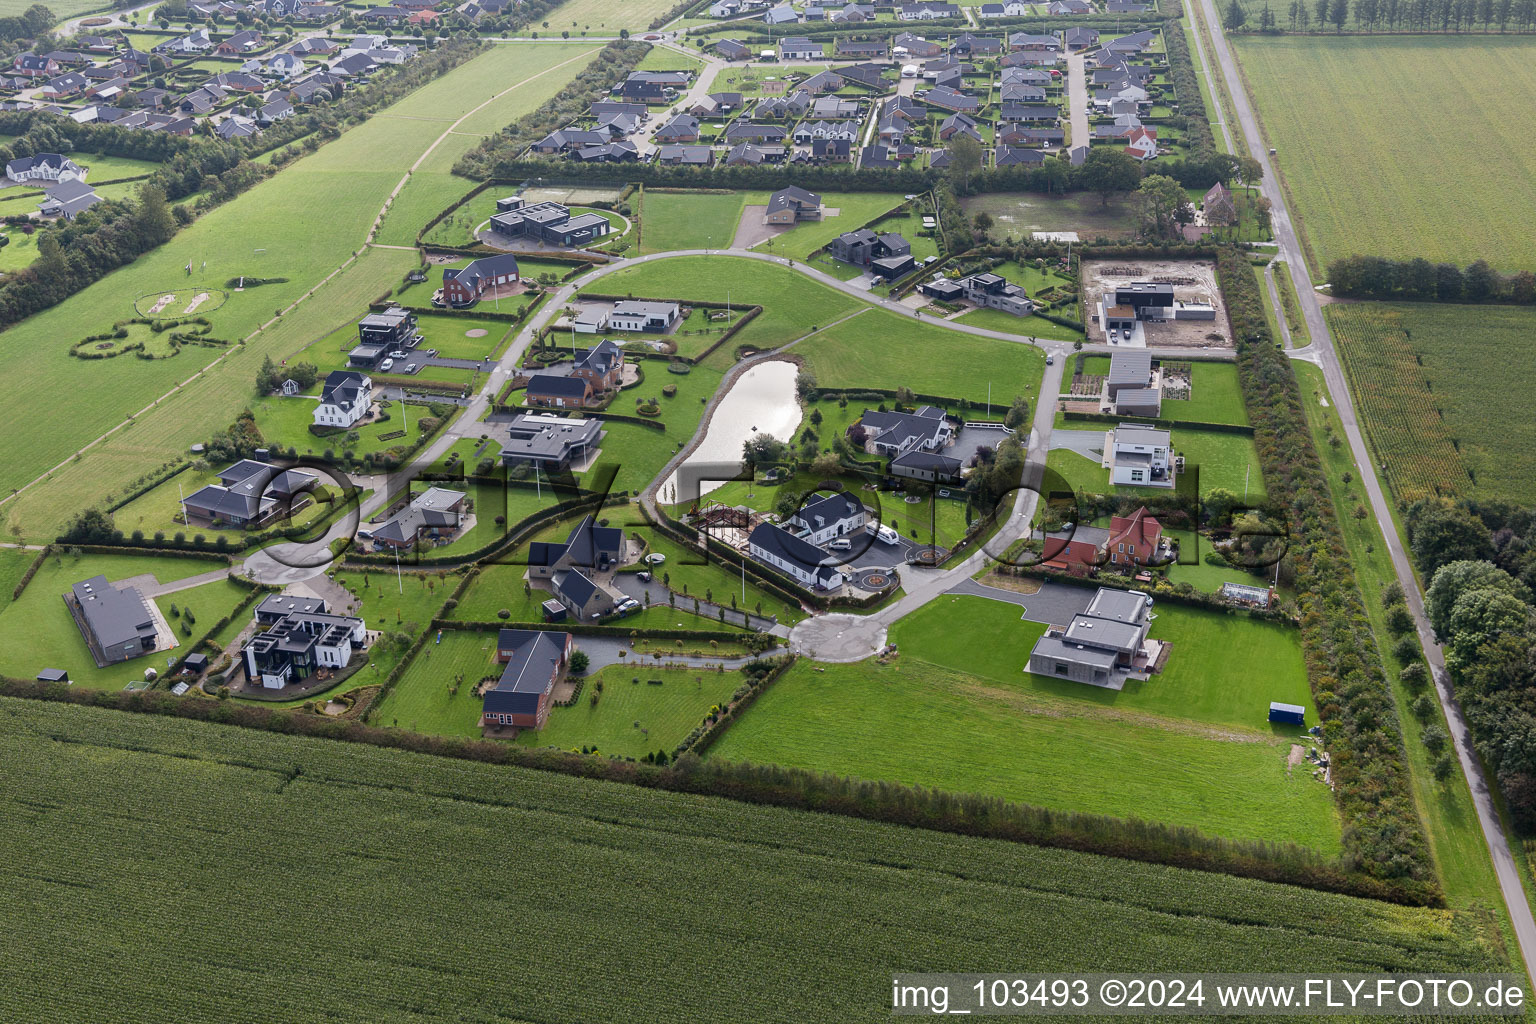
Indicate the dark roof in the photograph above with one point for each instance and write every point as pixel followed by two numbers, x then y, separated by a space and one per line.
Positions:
pixel 114 617
pixel 786 545
pixel 828 510
pixel 928 460
pixel 1132 368
pixel 574 586
pixel 530 671
pixel 588 543
pixel 556 386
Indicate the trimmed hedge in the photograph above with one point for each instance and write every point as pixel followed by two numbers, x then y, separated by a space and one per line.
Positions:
pixel 1161 421
pixel 26 577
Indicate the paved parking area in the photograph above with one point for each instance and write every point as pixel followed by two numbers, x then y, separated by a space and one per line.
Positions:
pixel 1055 604
pixel 1088 443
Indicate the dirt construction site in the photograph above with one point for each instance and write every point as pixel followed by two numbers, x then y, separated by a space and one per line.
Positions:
pixel 1194 283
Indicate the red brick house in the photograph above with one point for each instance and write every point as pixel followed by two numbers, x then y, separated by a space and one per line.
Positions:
pixel 602 366
pixel 1136 539
pixel 534 662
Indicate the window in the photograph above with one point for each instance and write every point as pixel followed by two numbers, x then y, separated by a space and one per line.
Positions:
pixel 1122 548
pixel 1061 668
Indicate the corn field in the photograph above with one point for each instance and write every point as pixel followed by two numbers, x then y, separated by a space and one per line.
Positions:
pixel 161 869
pixel 1401 414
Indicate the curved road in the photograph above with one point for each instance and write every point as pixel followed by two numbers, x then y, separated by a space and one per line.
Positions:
pixel 1322 352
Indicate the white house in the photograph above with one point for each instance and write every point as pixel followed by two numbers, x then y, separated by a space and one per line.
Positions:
pixel 792 556
pixel 345 399
pixel 829 517
pixel 44 167
pixel 1137 455
pixel 1142 143
pixel 630 315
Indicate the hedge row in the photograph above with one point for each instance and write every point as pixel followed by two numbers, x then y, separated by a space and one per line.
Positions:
pixel 911 806
pixel 151 485
pixel 702 636
pixel 1161 421
pixel 701 739
pixel 26 577
pixel 1383 835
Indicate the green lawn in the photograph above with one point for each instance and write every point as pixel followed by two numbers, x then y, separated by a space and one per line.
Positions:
pixel 1224 460
pixel 348 179
pixel 1025 326
pixel 885 350
pixel 791 304
pixel 1215 396
pixel 931 520
pixel 38 631
pixel 419 841
pixel 855 209
pixel 689 220
pixel 432 697
pixel 1464 190
pixel 633 717
pixel 156 511
pixel 1018 214
pixel 963 716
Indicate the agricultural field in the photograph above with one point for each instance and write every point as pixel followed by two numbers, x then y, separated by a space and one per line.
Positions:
pixel 604 18
pixel 1019 214
pixel 277 239
pixel 37 631
pixel 956 715
pixel 90 787
pixel 689 220
pixel 1439 387
pixel 1466 188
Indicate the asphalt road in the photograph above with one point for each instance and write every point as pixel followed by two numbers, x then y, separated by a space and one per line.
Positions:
pixel 1322 348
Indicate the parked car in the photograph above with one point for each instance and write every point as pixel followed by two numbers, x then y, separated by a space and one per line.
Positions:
pixel 629 604
pixel 387 365
pixel 410 367
pixel 1050 360
pixel 645 577
pixel 841 544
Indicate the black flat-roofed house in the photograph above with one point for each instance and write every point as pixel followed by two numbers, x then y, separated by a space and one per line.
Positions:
pixel 1140 295
pixel 249 494
pixel 548 223
pixel 862 247
pixel 549 442
pixel 116 623
pixel 378 334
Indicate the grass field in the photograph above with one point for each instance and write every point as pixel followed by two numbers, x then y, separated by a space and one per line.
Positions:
pixel 884 350
pixel 959 715
pixel 1025 326
pixel 791 304
pixel 1215 395
pixel 602 17
pixel 1439 387
pixel 855 209
pixel 419 842
pixel 689 220
pixel 1018 214
pixel 1466 188
pixel 38 631
pixel 633 716
pixel 348 178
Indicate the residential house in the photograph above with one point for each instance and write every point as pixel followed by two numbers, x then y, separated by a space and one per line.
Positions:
pixel 856 14
pixel 682 128
pixel 828 517
pixel 35 65
pixel 832 150
pixel 741 131
pixel 860 49
pixel 249 495
pixel 863 247
pixel 684 156
pixel 822 82
pixel 1004 155
pixel 464 286
pixel 781 15
pixel 235 128
pixel 959 124
pixel 915 46
pixel 792 204
pixel 547 442
pixel 946 98
pixel 968 45
pixel 241 42
pixel 652 86
pixel 1138 455
pixel 799 48
pixel 44 167
pixel 117 624
pixel 278 110
pixel 1102 646
pixel 991 291
pixel 602 365
pixel 1129 45
pixel 1061 8
pixel 1080 38
pixel 802 562
pixel 389 334
pixel 300 644
pixel 930 10
pixel 732 49
pixel 345 399
pixel 927 467
pixel 891 434
pixel 71 83
pixel 1141 143
pixel 868 75
pixel 533 662
pixel 608 152
pixel 1132 388
pixel 632 315
pixel 434 513
pixel 1218 206
pixel 1026 41
pixel 557 391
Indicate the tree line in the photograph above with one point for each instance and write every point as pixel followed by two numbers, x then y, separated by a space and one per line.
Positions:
pixel 1419 280
pixel 1383 16
pixel 1480 558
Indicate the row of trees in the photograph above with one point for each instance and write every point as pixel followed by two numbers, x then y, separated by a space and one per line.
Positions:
pixel 1383 834
pixel 1385 16
pixel 1375 277
pixel 1481 558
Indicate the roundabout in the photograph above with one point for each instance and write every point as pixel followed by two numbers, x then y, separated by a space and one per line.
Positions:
pixel 873 579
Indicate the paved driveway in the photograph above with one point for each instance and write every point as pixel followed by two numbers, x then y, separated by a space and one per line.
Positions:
pixel 1088 443
pixel 1055 604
